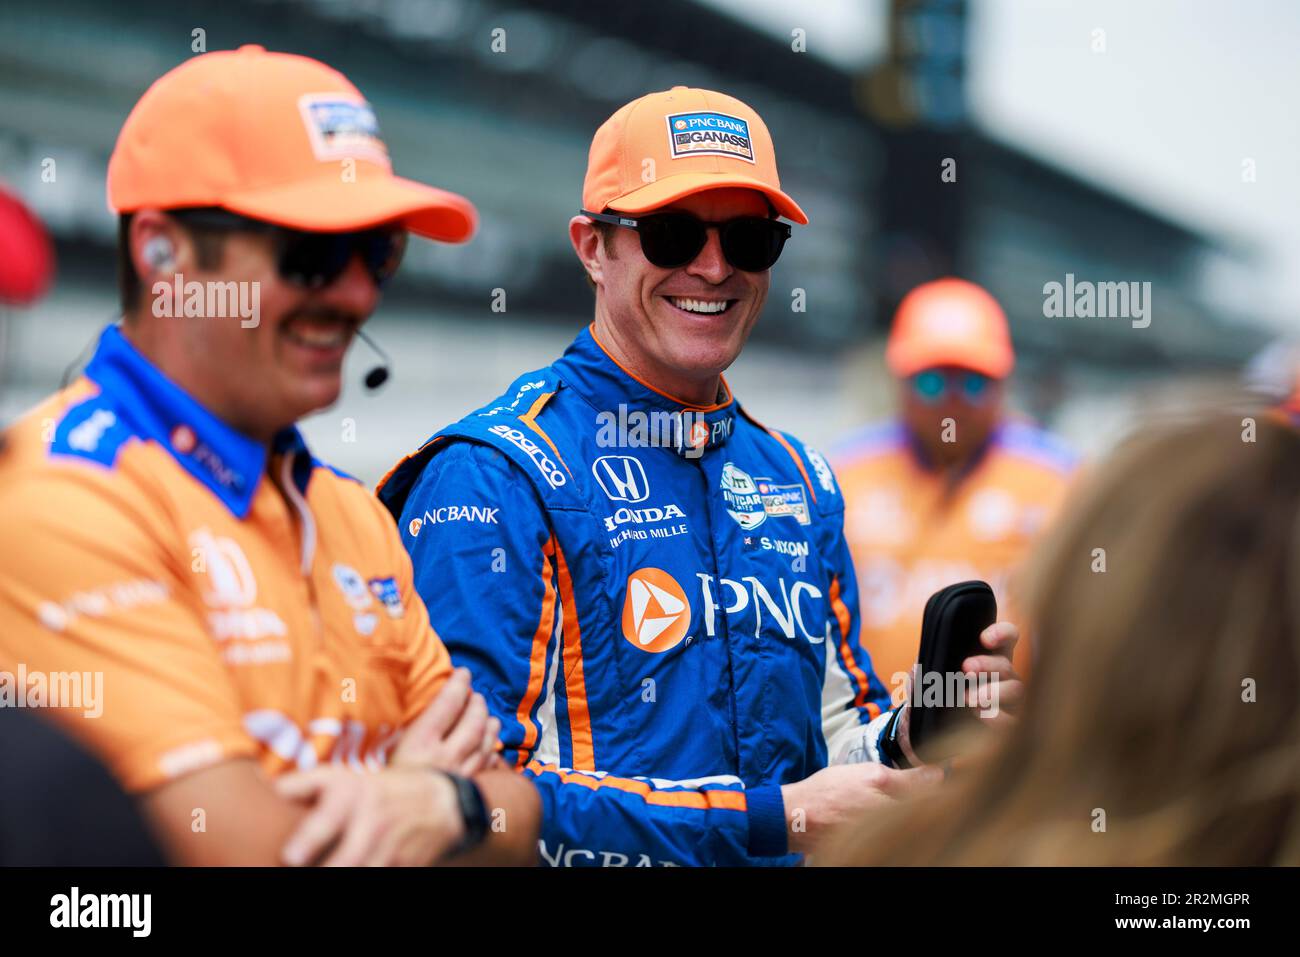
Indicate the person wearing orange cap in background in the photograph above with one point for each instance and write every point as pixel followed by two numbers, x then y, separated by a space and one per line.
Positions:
pixel 261 652
pixel 954 489
pixel 671 637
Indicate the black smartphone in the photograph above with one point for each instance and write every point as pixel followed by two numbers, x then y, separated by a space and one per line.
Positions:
pixel 950 633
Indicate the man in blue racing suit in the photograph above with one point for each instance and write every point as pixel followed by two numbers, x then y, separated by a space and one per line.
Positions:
pixel 652 589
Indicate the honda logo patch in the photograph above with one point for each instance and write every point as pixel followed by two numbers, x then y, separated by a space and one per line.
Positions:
pixel 622 478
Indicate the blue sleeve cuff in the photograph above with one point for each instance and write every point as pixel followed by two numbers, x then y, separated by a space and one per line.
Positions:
pixel 767 834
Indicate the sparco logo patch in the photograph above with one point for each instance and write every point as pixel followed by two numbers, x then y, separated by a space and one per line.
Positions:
pixel 695 134
pixel 550 471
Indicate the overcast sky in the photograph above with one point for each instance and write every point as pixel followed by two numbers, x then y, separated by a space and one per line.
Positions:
pixel 1184 92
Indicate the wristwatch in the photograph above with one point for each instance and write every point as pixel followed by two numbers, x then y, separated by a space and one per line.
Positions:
pixel 472 809
pixel 890 745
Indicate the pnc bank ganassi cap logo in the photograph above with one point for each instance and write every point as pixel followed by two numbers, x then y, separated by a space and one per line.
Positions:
pixel 717 134
pixel 656 611
pixel 341 126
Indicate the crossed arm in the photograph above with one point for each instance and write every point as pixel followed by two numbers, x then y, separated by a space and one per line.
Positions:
pixel 406 814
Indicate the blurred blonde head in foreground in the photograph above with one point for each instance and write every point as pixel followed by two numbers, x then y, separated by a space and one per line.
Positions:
pixel 1167 693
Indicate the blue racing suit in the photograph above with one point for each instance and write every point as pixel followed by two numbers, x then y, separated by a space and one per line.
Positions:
pixel 656 600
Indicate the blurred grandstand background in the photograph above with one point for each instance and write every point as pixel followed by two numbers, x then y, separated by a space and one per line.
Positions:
pixel 863 120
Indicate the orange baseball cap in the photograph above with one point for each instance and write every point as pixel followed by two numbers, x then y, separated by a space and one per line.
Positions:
pixel 267 135
pixel 694 140
pixel 949 322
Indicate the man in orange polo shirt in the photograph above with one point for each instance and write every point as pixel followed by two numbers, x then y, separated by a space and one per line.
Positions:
pixel 230 624
pixel 954 489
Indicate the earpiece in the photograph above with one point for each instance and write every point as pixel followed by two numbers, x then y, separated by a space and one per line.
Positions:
pixel 159 254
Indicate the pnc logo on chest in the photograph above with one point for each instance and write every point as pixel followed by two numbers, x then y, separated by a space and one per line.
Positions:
pixel 656 611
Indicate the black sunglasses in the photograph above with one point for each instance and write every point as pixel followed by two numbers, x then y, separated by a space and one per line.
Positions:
pixel 671 240
pixel 308 259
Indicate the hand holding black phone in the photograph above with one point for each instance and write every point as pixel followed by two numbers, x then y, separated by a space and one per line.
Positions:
pixel 950 633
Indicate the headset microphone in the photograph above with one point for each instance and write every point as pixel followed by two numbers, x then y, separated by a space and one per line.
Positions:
pixel 378 375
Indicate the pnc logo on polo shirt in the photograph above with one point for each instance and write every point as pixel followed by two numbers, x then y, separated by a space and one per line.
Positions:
pixel 656 611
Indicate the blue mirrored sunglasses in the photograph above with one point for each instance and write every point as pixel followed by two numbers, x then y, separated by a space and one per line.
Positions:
pixel 931 385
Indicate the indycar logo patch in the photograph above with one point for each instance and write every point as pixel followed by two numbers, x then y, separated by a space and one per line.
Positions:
pixel 751 501
pixel 741 495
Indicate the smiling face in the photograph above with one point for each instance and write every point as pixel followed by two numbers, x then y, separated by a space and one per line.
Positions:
pixel 258 378
pixel 677 329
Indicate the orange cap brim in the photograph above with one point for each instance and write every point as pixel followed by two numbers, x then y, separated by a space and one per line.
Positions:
pixel 672 188
pixel 906 362
pixel 331 205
